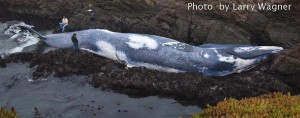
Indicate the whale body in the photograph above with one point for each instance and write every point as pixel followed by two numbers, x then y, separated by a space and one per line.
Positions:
pixel 165 54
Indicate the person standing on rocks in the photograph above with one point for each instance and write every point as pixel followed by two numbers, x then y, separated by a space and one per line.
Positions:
pixel 75 42
pixel 92 12
pixel 63 24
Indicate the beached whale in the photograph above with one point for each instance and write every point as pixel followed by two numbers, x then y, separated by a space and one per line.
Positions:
pixel 165 54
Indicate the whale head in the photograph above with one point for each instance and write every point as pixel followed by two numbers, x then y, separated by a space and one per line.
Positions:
pixel 237 59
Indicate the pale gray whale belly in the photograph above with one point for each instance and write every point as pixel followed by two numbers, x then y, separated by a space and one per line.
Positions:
pixel 164 54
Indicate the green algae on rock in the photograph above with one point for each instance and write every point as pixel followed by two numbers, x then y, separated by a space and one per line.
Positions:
pixel 8 113
pixel 265 106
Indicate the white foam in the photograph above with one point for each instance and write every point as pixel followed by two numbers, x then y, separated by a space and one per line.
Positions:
pixel 138 41
pixel 107 50
pixel 14 36
pixel 24 38
pixel 15 29
pixel 29 41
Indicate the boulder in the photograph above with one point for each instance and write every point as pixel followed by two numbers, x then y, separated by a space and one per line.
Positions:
pixel 284 33
pixel 2 63
pixel 288 62
pixel 287 68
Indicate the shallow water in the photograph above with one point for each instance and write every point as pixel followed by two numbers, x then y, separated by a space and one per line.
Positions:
pixel 13 40
pixel 73 97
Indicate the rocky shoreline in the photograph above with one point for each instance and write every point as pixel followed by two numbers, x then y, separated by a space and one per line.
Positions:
pixel 165 18
pixel 170 19
pixel 280 74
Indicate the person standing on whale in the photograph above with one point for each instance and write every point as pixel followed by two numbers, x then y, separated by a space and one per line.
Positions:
pixel 75 42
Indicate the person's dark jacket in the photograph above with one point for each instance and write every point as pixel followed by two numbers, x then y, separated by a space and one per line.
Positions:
pixel 74 39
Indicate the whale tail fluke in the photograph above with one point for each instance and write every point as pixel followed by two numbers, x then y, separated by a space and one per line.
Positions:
pixel 31 30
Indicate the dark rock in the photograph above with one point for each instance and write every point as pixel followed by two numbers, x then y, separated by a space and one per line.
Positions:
pixel 169 19
pixel 2 63
pixel 284 32
pixel 236 34
pixel 165 18
pixel 66 62
pixel 189 86
pixel 287 67
pixel 288 62
pixel 281 77
pixel 21 57
pixel 112 75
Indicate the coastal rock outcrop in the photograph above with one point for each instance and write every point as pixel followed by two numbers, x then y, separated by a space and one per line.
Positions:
pixel 2 63
pixel 192 87
pixel 276 75
pixel 288 62
pixel 166 18
pixel 171 19
pixel 287 66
